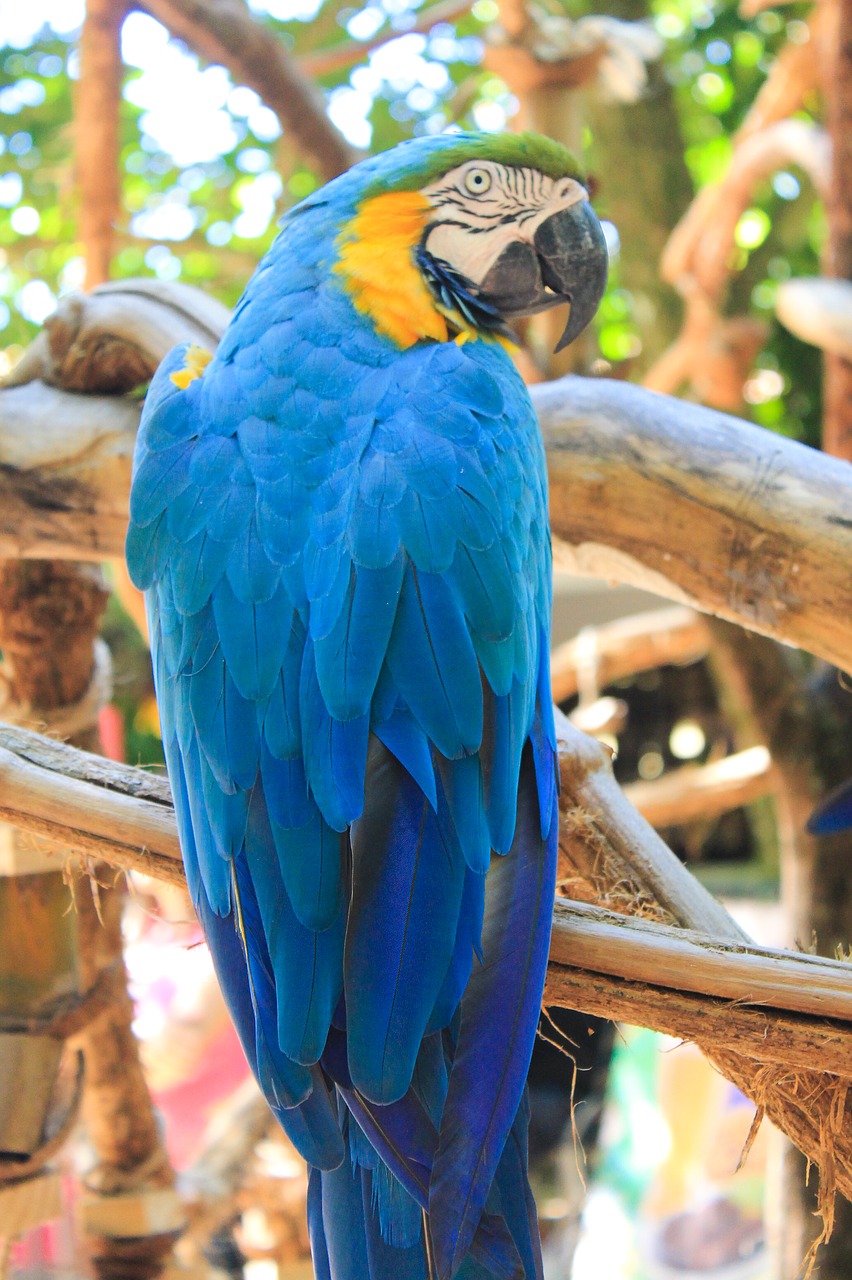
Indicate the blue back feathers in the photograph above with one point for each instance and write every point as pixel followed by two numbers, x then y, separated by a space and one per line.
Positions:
pixel 346 560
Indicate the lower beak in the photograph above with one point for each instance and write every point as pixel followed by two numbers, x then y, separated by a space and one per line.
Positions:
pixel 567 262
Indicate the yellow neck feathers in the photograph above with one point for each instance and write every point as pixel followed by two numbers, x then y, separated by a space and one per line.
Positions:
pixel 379 272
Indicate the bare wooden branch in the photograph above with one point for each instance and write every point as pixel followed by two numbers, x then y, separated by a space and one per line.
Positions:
pixel 112 339
pixel 590 937
pixel 224 31
pixel 702 508
pixel 63 794
pixel 64 473
pixel 65 458
pixel 704 791
pixel 600 655
pixel 42 779
pixel 612 846
pixel 763 1037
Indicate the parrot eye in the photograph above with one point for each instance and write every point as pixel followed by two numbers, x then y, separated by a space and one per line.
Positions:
pixel 477 181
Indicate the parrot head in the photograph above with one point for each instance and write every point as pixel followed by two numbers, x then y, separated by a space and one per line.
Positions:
pixel 459 235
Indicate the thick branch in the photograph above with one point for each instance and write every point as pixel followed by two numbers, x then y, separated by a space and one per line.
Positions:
pixel 65 458
pixel 761 1036
pixel 111 340
pixel 622 859
pixel 646 489
pixel 79 795
pixel 589 937
pixel 700 507
pixel 224 31
pixel 64 473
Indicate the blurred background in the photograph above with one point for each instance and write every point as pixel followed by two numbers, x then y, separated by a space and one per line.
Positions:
pixel 163 141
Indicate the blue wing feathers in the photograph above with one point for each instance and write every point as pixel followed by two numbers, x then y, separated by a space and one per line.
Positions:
pixel 316 1230
pixel 345 550
pixel 833 814
pixel 406 740
pixel 407 882
pixel 306 963
pixel 350 657
pixel 492 1052
pixel 442 685
pixel 311 859
pixel 285 787
pixel 335 751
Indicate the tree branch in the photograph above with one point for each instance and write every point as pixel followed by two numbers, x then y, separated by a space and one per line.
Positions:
pixel 590 937
pixel 701 507
pixel 763 1036
pixel 127 811
pixel 704 791
pixel 111 340
pixel 612 854
pixel 700 244
pixel 223 31
pixel 638 481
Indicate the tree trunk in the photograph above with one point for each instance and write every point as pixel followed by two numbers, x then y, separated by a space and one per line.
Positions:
pixel 97 128
pixel 49 619
pixel 636 156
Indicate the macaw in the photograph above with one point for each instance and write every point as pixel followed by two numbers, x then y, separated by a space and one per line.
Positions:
pixel 833 814
pixel 340 524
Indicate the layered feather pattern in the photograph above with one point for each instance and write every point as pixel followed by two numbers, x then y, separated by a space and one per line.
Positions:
pixel 345 553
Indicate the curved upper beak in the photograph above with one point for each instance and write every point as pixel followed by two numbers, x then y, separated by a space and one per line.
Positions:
pixel 567 262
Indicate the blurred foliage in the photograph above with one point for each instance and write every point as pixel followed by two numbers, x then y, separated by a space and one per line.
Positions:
pixel 207 172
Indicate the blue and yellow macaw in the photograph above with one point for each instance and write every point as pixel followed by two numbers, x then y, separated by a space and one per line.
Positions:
pixel 340 523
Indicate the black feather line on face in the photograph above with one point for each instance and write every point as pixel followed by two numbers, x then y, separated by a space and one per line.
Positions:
pixel 456 292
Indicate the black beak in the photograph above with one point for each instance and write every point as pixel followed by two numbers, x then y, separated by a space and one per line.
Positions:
pixel 567 262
